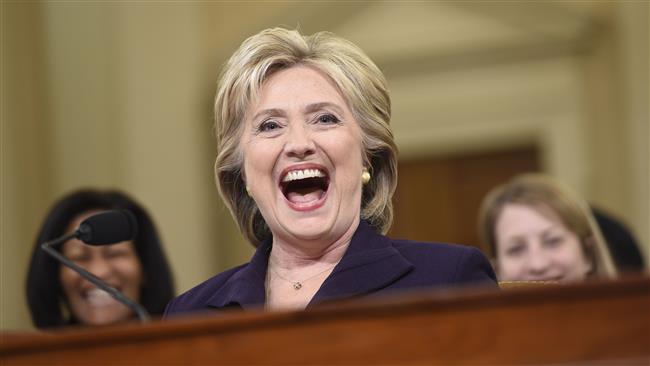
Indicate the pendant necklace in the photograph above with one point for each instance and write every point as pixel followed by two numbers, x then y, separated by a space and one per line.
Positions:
pixel 297 285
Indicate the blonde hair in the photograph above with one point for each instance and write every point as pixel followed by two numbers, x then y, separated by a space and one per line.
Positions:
pixel 358 79
pixel 544 193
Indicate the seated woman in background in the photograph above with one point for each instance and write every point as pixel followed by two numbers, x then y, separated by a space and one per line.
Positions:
pixel 58 296
pixel 539 231
pixel 307 165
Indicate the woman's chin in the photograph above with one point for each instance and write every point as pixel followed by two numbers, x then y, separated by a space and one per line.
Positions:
pixel 106 319
pixel 107 314
pixel 309 228
pixel 314 221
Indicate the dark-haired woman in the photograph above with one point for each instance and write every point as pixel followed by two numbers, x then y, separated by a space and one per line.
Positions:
pixel 58 296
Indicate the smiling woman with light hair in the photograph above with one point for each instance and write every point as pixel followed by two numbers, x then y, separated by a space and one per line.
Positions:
pixel 538 230
pixel 307 165
pixel 364 89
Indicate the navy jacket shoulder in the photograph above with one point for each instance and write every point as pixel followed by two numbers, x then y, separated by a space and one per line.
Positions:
pixel 373 264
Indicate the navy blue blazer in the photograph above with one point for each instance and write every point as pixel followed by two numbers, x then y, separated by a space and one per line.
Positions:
pixel 373 264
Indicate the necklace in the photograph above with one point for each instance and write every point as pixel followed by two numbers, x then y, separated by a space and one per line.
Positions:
pixel 297 285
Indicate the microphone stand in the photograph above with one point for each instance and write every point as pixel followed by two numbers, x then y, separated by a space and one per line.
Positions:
pixel 139 310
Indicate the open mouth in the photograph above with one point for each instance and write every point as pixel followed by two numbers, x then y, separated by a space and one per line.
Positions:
pixel 97 297
pixel 304 187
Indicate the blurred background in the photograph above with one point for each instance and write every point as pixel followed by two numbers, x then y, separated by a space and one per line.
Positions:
pixel 119 95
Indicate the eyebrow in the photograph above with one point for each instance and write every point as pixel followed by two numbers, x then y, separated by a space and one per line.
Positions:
pixel 310 108
pixel 269 112
pixel 551 231
pixel 513 238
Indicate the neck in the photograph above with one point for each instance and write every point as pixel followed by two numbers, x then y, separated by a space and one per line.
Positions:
pixel 290 256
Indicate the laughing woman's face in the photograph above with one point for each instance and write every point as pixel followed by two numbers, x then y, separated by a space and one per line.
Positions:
pixel 117 264
pixel 302 150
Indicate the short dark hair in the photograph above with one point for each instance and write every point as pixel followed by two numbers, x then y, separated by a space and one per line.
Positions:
pixel 44 291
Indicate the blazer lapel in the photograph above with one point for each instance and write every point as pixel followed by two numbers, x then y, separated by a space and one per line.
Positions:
pixel 370 264
pixel 246 287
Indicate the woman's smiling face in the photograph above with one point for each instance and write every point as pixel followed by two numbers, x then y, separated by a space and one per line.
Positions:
pixel 534 246
pixel 117 264
pixel 302 151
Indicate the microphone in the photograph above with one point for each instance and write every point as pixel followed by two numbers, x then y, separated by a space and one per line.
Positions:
pixel 108 227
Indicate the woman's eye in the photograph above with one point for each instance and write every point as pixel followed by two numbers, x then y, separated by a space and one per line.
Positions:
pixel 553 241
pixel 115 253
pixel 327 119
pixel 515 250
pixel 267 126
pixel 78 258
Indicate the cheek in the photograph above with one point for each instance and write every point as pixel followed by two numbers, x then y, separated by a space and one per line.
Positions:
pixel 570 254
pixel 69 279
pixel 499 244
pixel 258 159
pixel 346 152
pixel 131 275
pixel 130 269
pixel 509 265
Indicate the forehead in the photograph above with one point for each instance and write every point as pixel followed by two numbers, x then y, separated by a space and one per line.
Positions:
pixel 522 217
pixel 296 86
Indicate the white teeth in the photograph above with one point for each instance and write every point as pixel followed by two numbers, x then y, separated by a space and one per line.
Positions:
pixel 99 297
pixel 302 174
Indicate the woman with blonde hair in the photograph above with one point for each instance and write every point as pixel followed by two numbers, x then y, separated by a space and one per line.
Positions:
pixel 307 166
pixel 538 230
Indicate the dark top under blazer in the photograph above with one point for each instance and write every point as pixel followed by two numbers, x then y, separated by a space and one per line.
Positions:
pixel 373 264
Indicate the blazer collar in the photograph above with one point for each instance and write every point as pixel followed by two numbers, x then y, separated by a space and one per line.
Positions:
pixel 246 288
pixel 369 264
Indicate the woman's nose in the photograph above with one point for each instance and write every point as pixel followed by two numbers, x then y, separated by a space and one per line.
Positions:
pixel 100 267
pixel 539 263
pixel 299 142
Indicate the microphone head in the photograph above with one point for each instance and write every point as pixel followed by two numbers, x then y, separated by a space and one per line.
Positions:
pixel 108 227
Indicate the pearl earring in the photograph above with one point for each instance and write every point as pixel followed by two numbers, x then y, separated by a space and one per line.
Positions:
pixel 365 176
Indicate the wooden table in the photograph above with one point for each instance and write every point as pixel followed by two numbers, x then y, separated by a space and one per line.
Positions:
pixel 597 322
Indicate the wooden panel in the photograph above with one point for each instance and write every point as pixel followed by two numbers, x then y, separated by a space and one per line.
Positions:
pixel 604 322
pixel 438 199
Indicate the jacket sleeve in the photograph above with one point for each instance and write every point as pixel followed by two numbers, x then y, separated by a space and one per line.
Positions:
pixel 474 267
pixel 169 309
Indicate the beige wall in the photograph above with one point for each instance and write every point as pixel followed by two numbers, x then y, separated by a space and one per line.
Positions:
pixel 119 95
pixel 23 186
